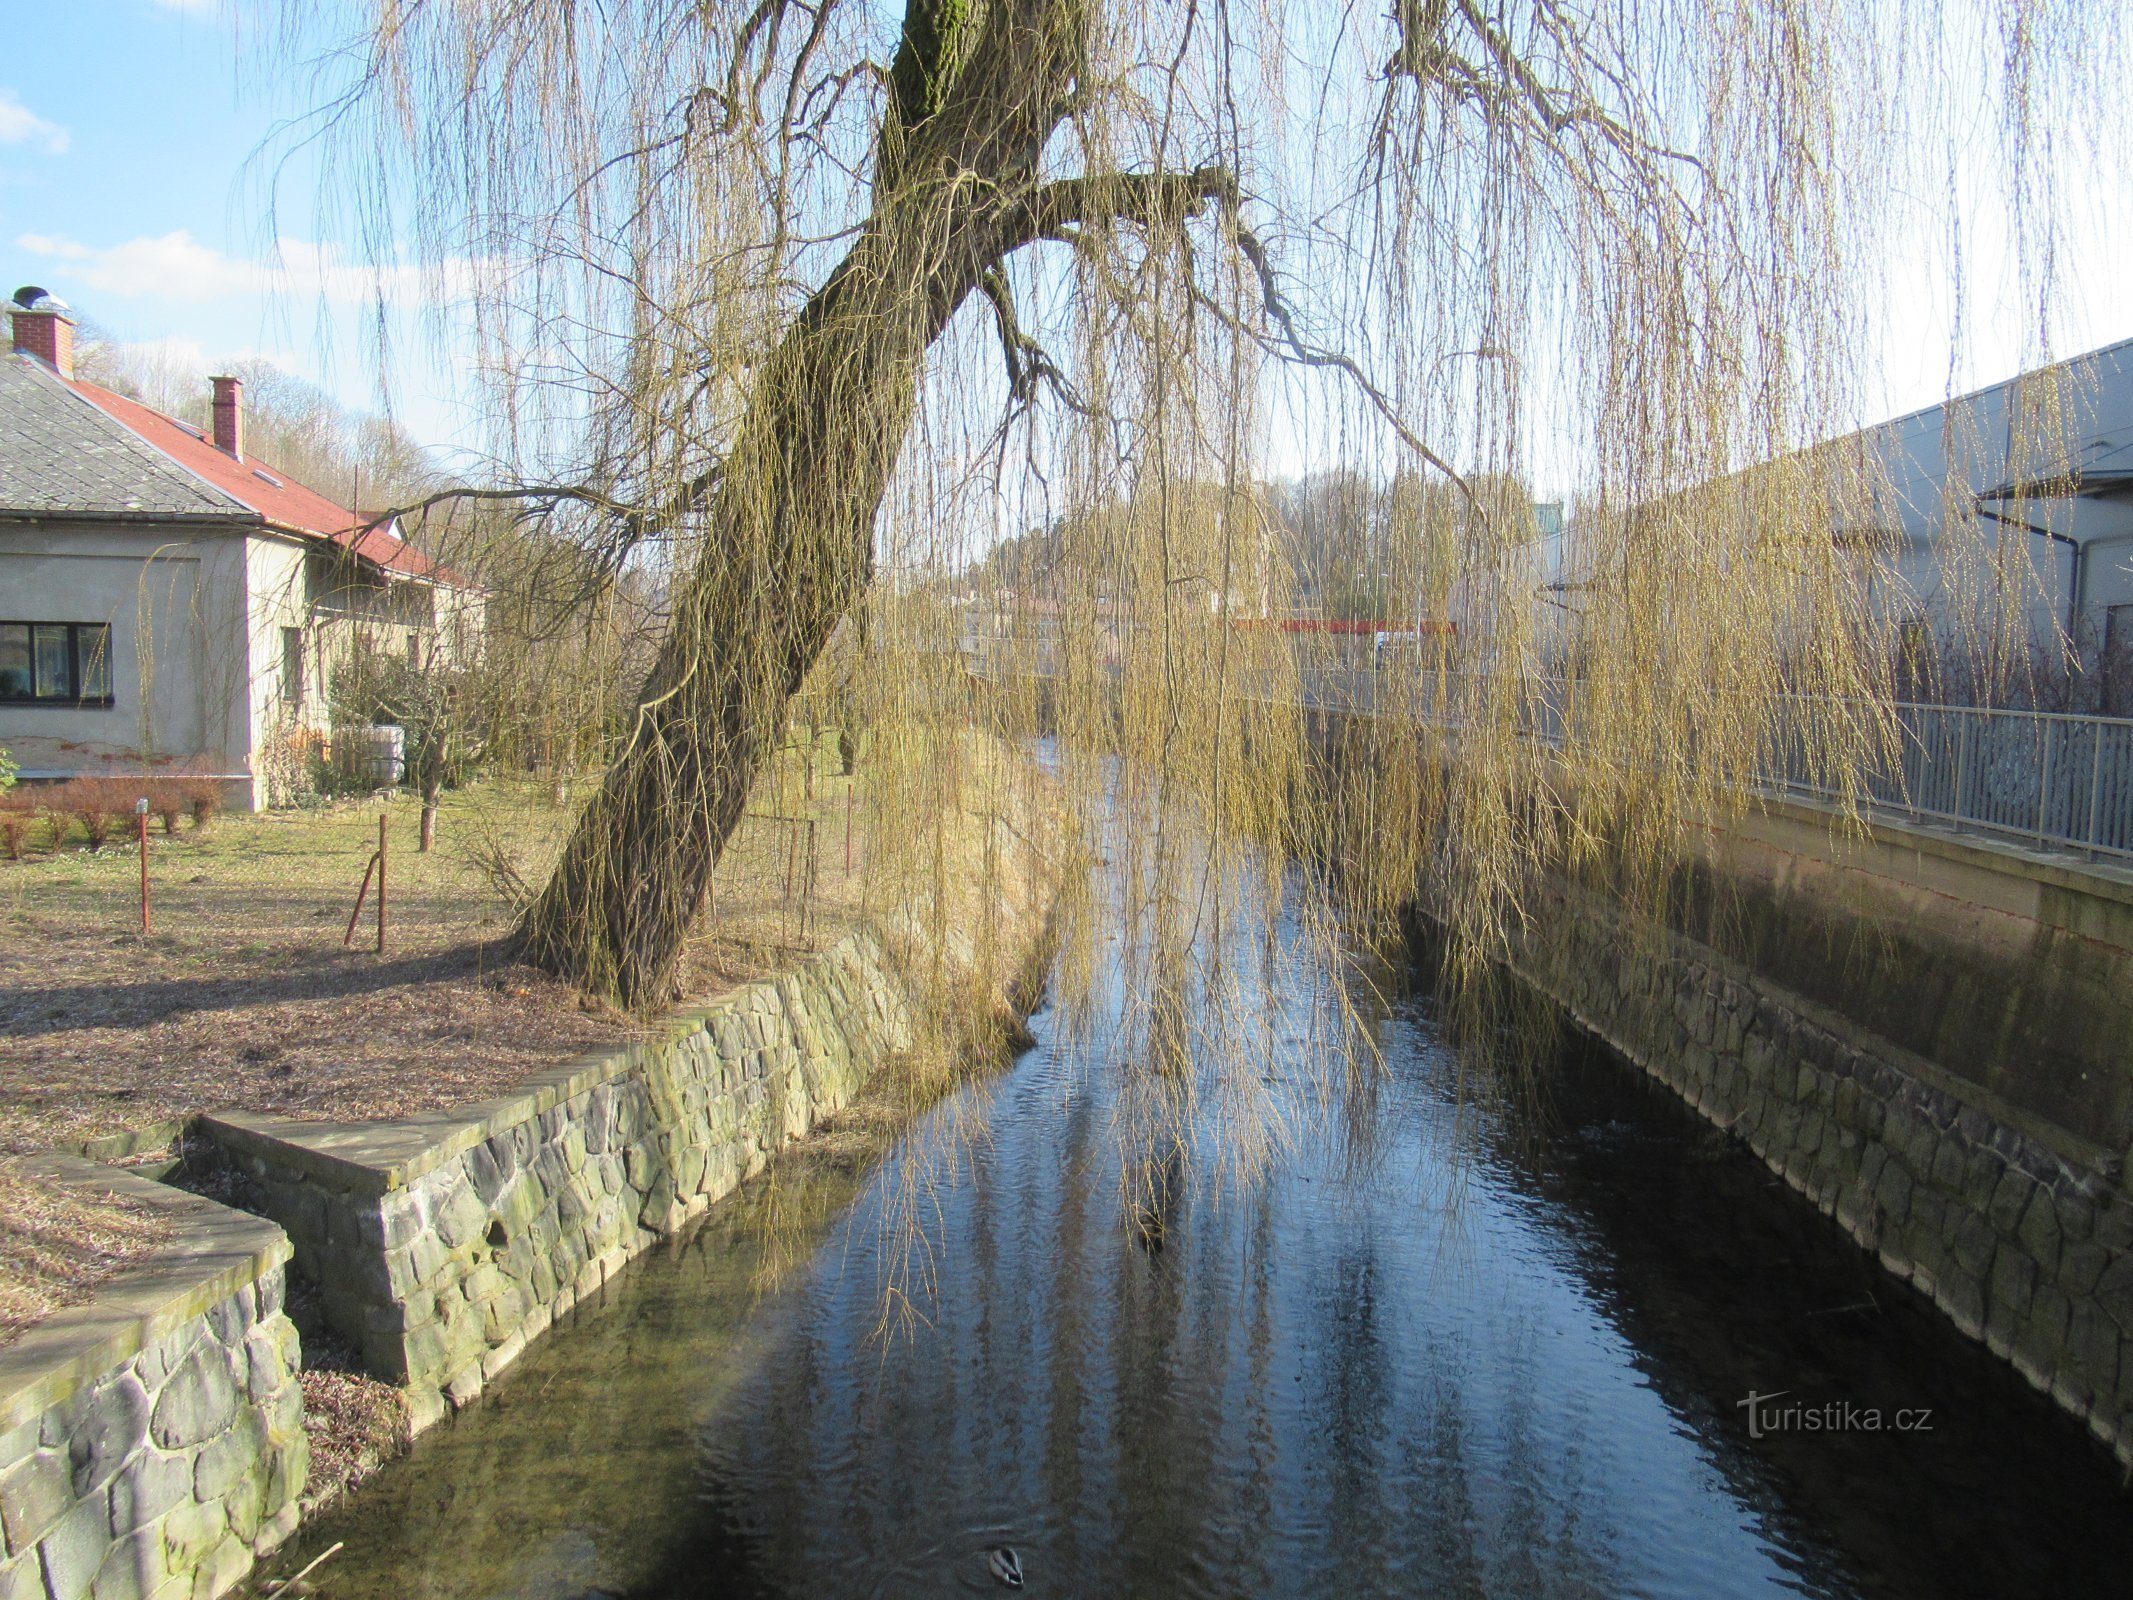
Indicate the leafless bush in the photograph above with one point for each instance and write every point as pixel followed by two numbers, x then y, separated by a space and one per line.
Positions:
pixel 100 806
pixel 17 813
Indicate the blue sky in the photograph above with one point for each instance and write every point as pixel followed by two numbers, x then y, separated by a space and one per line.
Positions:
pixel 132 184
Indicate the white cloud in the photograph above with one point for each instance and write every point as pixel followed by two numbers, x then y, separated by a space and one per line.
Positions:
pixel 176 266
pixel 173 267
pixel 20 125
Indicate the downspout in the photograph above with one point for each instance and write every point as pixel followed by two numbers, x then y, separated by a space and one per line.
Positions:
pixel 2073 606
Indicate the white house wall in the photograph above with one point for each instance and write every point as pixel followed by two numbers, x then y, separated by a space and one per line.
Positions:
pixel 278 598
pixel 173 602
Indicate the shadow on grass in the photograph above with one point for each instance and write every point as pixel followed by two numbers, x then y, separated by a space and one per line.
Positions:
pixel 65 1008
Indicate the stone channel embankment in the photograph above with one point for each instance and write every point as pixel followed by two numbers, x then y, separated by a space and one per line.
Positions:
pixel 1929 1038
pixel 152 1440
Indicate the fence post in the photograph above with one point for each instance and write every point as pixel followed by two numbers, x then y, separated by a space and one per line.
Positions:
pixel 381 881
pixel 1962 763
pixel 140 814
pixel 2095 787
pixel 2044 778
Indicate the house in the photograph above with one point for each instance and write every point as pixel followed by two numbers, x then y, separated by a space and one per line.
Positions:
pixel 168 600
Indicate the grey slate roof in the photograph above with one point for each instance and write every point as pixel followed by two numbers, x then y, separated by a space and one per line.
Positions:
pixel 61 456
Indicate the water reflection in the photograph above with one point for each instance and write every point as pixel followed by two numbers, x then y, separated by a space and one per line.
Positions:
pixel 1327 1381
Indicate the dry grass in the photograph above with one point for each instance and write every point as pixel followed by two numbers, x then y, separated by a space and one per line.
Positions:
pixel 57 1244
pixel 244 998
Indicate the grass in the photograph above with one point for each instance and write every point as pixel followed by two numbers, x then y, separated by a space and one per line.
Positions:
pixel 243 997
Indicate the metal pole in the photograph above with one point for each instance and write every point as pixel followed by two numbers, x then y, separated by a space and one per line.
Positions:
pixel 362 894
pixel 1962 761
pixel 140 812
pixel 381 883
pixel 851 787
pixel 2044 780
pixel 2095 784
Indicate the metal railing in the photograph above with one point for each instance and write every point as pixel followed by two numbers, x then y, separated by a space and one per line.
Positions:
pixel 2048 779
pixel 2045 778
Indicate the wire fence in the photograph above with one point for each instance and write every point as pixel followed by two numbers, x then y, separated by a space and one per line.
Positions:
pixel 172 859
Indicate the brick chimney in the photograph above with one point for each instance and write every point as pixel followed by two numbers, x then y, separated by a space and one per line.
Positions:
pixel 229 415
pixel 43 329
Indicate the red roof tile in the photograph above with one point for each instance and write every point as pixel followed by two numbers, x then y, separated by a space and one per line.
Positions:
pixel 281 501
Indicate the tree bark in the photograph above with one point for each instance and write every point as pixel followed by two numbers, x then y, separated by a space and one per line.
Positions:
pixel 792 520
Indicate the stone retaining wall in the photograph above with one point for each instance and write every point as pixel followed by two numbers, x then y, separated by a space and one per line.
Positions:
pixel 152 1441
pixel 2019 1229
pixel 443 1243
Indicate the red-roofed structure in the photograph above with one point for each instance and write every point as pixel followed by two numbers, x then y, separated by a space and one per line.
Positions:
pixel 168 600
pixel 282 503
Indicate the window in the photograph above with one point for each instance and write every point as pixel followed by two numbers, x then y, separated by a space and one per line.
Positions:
pixel 292 666
pixel 55 663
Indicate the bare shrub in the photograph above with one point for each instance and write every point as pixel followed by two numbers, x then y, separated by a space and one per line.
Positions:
pixel 16 815
pixel 203 796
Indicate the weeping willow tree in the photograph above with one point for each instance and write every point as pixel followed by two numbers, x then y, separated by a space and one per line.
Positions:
pixel 805 305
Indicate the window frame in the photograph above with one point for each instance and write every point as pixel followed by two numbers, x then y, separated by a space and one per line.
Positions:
pixel 294 651
pixel 76 656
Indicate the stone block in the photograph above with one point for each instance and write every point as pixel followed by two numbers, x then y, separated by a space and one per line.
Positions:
pixel 245 1500
pixel 229 1320
pixel 2007 1298
pixel 2114 1292
pixel 2081 1267
pixel 1962 1296
pixel 2077 1217
pixel 226 1461
pixel 429 1264
pixel 2009 1199
pixel 2043 1338
pixel 2114 1225
pixel 464 1386
pixel 2039 1230
pixel 571 1142
pixel 501 1316
pixel 485 1174
pixel 1892 1195
pixel 1974 1245
pixel 460 1219
pixel 266 1362
pixel 148 1485
pixel 222 1568
pixel 2092 1343
pixel 1981 1177
pixel 73 1548
pixel 427 1350
pixel 398 1316
pixel 158 1361
pixel 34 1494
pixel 132 1568
pixel 274 1532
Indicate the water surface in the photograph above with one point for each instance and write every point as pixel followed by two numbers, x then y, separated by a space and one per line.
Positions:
pixel 1365 1374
